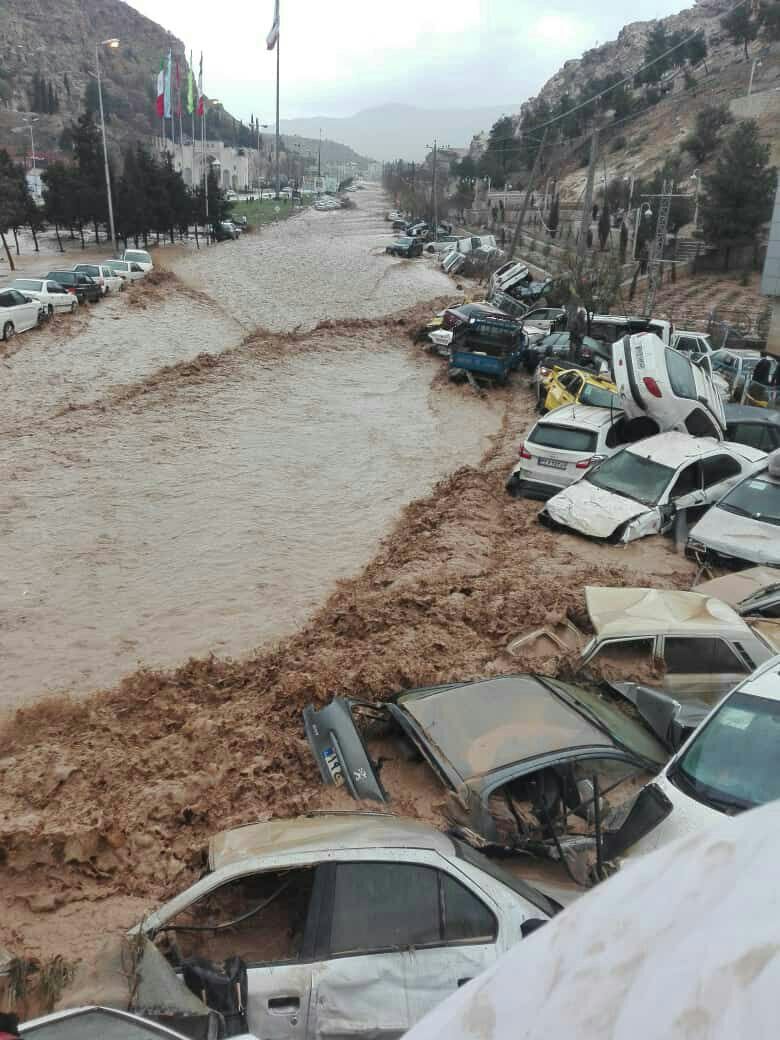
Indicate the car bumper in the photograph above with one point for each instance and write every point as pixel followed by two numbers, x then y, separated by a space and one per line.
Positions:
pixel 525 487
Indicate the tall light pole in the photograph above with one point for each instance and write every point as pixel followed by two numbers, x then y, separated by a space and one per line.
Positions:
pixel 28 125
pixel 319 160
pixel 695 176
pixel 112 43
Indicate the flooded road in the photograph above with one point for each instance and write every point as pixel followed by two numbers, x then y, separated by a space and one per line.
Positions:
pixel 210 516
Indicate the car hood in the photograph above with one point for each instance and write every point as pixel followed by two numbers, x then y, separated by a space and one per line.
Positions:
pixel 591 510
pixel 739 536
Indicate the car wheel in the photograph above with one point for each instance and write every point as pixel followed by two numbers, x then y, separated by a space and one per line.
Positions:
pixel 8 331
pixel 73 306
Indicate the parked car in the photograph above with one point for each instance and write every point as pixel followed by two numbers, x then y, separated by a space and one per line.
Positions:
pixel 77 284
pixel 758 427
pixel 656 380
pixel 96 1022
pixel 763 387
pixel 325 911
pixel 736 367
pixel 127 270
pixel 688 645
pixel 455 316
pixel 140 257
pixel 728 765
pixel 406 247
pixel 691 342
pixel 105 276
pixel 509 274
pixel 645 487
pixel 754 592
pixel 568 386
pixel 516 755
pixel 18 313
pixel 52 295
pixel 509 305
pixel 399 224
pixel 558 346
pixel 562 445
pixel 744 525
pixel 549 319
pixel 609 328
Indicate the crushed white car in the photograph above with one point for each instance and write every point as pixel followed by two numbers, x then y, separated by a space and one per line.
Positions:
pixel 645 487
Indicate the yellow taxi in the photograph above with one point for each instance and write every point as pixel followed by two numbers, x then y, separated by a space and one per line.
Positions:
pixel 570 386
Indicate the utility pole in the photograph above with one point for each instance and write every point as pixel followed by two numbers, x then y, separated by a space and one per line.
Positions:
pixel 659 243
pixel 516 238
pixel 113 43
pixel 587 202
pixel 319 156
pixel 434 200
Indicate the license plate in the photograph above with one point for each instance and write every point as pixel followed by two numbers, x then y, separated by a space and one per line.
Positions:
pixel 639 355
pixel 334 766
pixel 553 463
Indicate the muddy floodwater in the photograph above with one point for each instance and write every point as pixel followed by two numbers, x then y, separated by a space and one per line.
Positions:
pixel 213 516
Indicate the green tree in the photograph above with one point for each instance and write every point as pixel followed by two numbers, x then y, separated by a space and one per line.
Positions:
pixel 59 183
pixel 703 139
pixel 696 50
pixel 499 155
pixel 739 195
pixel 92 205
pixel 13 191
pixel 770 20
pixel 740 26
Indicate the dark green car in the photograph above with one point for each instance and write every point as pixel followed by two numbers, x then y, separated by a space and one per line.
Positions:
pixel 406 247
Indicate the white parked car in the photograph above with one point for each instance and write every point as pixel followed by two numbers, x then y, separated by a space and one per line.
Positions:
pixel 692 342
pixel 18 313
pixel 140 257
pixel 350 924
pixel 656 380
pixel 728 765
pixel 561 446
pixel 97 1022
pixel 548 319
pixel 644 487
pixel 50 294
pixel 106 277
pixel 744 525
pixel 129 271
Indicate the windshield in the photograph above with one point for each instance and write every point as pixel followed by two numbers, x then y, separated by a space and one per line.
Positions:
pixel 138 255
pixel 118 265
pixel 564 437
pixel 633 476
pixel 599 397
pixel 94 1024
pixel 758 497
pixel 732 762
pixel 617 717
pixel 492 869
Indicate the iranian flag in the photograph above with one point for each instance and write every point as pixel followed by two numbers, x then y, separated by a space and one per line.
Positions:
pixel 161 90
pixel 273 35
pixel 201 100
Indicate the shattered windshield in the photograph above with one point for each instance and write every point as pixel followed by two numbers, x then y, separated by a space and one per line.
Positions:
pixel 633 476
pixel 732 763
pixel 758 498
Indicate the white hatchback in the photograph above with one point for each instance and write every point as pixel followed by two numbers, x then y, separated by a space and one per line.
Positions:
pixel 50 294
pixel 140 257
pixel 18 313
pixel 661 382
pixel 644 488
pixel 561 446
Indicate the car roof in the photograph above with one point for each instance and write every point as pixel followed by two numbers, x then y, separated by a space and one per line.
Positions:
pixel 737 586
pixel 581 415
pixel 621 612
pixel 750 413
pixel 325 832
pixel 480 727
pixel 674 448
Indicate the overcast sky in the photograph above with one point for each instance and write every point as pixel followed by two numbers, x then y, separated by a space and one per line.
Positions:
pixel 338 58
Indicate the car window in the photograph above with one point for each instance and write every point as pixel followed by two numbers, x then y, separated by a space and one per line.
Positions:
pixel 260 917
pixel 758 497
pixel 699 424
pixel 719 467
pixel 625 659
pixel 29 284
pixel 598 397
pixel 755 435
pixel 6 300
pixel 566 438
pixel 723 362
pixel 733 759
pixel 691 656
pixel 688 481
pixel 680 374
pixel 369 914
pixel 687 343
pixel 95 1024
pixel 632 476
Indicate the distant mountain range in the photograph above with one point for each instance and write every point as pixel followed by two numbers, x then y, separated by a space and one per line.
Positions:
pixel 401 131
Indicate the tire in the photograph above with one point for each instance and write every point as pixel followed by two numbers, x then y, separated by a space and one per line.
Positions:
pixel 73 306
pixel 8 331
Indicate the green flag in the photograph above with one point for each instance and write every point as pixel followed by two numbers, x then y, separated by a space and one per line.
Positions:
pixel 190 88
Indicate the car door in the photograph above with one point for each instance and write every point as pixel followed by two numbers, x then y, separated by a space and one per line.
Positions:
pixel 59 296
pixel 686 497
pixel 376 912
pixel 704 668
pixel 25 311
pixel 719 473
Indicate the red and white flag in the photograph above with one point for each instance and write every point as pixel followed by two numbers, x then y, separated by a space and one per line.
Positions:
pixel 273 35
pixel 161 90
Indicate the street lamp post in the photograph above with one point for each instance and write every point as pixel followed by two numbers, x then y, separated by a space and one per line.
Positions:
pixel 28 125
pixel 695 176
pixel 113 43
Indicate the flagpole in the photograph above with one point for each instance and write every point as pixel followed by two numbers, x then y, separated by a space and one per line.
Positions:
pixel 277 112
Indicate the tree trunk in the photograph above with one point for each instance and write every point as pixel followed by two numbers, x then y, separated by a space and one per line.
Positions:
pixel 81 233
pixel 59 240
pixel 35 237
pixel 726 258
pixel 16 241
pixel 7 252
pixel 197 242
pixel 97 234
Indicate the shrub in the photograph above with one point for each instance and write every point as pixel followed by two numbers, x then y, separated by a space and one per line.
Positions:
pixel 618 143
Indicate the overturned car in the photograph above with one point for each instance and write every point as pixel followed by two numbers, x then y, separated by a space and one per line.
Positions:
pixel 528 762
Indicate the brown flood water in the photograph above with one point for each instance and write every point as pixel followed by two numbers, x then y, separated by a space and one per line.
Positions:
pixel 214 519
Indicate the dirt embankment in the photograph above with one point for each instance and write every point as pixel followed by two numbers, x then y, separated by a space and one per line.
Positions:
pixel 114 796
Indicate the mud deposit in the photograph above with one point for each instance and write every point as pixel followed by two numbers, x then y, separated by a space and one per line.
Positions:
pixel 107 800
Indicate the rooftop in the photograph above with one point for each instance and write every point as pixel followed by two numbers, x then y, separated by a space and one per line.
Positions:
pixel 618 613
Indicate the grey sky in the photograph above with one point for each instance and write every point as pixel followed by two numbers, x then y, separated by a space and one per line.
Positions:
pixel 340 58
